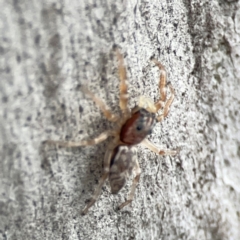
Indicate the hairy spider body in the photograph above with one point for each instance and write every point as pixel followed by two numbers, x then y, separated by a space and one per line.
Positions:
pixel 133 126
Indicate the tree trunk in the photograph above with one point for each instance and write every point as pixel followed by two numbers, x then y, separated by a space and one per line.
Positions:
pixel 50 48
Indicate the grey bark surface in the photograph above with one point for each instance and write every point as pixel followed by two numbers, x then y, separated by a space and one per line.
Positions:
pixel 48 48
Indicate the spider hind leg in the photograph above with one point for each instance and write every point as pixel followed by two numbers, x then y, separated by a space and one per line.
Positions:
pixel 107 159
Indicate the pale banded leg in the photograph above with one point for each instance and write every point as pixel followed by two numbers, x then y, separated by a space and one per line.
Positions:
pixel 123 95
pixel 155 149
pixel 107 159
pixel 162 89
pixel 96 193
pixel 167 105
pixel 103 136
pixel 133 187
pixel 104 108
pixel 162 85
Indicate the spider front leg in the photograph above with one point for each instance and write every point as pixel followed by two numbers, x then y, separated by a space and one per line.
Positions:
pixel 103 136
pixel 155 149
pixel 104 108
pixel 123 95
pixel 161 102
pixel 167 105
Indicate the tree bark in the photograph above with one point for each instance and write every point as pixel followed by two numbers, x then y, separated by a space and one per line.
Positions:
pixel 50 48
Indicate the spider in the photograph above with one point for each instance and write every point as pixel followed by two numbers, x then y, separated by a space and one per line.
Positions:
pixel 133 126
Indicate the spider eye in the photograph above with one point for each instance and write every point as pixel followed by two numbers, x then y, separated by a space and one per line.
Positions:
pixel 139 128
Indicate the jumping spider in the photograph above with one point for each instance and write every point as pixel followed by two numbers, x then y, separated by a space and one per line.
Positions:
pixel 133 126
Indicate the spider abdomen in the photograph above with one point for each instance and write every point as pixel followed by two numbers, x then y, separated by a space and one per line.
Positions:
pixel 137 127
pixel 122 164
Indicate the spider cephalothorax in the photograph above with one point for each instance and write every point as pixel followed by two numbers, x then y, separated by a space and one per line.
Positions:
pixel 137 127
pixel 120 159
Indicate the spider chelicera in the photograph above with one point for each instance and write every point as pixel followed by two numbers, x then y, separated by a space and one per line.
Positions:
pixel 132 128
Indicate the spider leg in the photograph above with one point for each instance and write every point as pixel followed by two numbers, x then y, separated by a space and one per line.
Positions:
pixel 104 108
pixel 97 192
pixel 133 187
pixel 167 105
pixel 162 85
pixel 103 136
pixel 155 149
pixel 123 101
pixel 162 88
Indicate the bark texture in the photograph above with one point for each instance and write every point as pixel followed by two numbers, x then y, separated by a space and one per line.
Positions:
pixel 49 48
